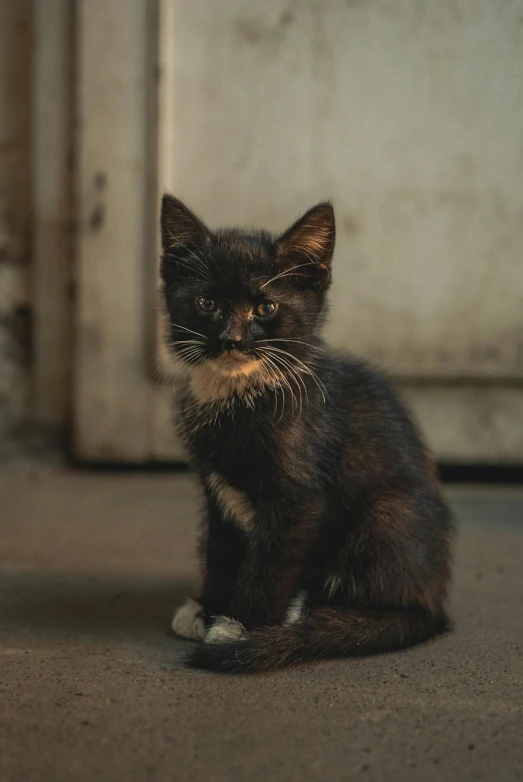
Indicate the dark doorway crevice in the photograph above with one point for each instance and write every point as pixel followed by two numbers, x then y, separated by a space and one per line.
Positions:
pixel 498 474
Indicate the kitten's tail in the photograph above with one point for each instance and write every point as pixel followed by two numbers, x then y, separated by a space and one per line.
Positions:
pixel 321 633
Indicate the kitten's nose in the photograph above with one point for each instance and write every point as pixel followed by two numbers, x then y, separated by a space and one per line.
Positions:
pixel 232 336
pixel 232 344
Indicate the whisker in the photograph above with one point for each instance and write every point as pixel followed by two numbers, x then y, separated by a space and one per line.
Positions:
pixel 298 341
pixel 283 379
pixel 201 265
pixel 275 378
pixel 187 342
pixel 299 379
pixel 186 349
pixel 191 346
pixel 191 331
pixel 271 360
pixel 304 368
pixel 198 258
pixel 277 370
pixel 300 383
pixel 284 273
pixel 192 356
pixel 179 243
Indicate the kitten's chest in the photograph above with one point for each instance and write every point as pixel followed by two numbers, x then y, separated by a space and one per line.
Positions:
pixel 233 443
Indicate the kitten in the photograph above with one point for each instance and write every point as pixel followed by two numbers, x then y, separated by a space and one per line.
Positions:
pixel 325 532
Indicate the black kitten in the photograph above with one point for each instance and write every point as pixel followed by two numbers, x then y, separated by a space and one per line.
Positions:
pixel 325 532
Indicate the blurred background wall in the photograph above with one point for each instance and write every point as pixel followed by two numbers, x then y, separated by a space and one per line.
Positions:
pixel 407 113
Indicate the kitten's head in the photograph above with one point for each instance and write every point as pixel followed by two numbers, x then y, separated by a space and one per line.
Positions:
pixel 244 302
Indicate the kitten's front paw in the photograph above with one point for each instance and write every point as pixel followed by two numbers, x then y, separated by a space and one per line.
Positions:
pixel 225 629
pixel 188 620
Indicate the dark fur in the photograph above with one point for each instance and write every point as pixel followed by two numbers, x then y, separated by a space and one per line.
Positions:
pixel 347 506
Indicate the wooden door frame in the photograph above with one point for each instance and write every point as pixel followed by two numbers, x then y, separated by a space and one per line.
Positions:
pixel 120 414
pixel 52 211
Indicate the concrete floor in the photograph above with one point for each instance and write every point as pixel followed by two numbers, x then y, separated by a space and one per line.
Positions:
pixel 93 688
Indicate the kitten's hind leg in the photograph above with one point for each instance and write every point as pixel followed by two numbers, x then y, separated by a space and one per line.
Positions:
pixel 188 620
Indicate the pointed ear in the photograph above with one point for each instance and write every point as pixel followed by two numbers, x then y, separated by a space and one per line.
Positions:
pixel 180 227
pixel 309 244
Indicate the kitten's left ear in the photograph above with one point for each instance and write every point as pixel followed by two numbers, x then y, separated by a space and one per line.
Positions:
pixel 308 245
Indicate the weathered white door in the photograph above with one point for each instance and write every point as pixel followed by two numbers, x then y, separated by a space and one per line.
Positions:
pixel 408 115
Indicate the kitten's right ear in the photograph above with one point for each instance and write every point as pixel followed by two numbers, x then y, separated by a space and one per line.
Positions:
pixel 180 227
pixel 308 245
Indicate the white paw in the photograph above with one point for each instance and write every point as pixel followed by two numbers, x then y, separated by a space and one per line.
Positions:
pixel 188 620
pixel 225 629
pixel 295 609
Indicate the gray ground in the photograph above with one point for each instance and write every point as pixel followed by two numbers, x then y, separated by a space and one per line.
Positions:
pixel 93 688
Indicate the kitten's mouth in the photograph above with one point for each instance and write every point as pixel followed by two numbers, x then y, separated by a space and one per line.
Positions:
pixel 235 355
pixel 234 361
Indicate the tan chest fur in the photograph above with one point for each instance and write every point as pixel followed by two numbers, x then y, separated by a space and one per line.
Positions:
pixel 234 504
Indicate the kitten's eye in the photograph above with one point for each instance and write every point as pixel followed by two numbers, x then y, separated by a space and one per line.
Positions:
pixel 265 309
pixel 205 304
